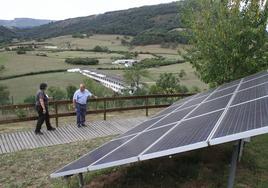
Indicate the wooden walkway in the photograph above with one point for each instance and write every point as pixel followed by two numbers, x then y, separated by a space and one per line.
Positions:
pixel 16 141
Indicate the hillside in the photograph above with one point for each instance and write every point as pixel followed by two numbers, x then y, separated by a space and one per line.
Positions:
pixel 6 34
pixel 24 22
pixel 126 22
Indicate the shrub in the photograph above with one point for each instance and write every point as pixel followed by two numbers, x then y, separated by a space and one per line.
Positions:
pixel 21 51
pixel 100 49
pixel 29 100
pixel 82 61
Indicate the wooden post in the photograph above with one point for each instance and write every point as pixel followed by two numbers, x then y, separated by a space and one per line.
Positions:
pixel 56 117
pixel 147 104
pixel 104 107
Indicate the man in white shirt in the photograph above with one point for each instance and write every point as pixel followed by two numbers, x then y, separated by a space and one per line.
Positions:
pixel 80 104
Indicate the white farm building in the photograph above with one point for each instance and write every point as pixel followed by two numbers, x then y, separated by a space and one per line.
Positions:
pixel 126 62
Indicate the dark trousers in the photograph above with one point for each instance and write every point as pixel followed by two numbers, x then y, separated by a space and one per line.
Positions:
pixel 42 118
pixel 81 111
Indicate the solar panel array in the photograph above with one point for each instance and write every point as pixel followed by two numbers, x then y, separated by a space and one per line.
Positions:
pixel 230 112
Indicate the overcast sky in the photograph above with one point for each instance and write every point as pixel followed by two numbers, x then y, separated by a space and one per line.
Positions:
pixel 63 9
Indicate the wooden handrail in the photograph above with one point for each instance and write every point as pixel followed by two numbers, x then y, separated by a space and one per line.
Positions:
pixel 56 105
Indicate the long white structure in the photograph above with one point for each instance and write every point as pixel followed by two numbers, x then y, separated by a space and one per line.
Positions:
pixel 112 82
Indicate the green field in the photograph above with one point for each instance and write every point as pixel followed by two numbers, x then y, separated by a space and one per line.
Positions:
pixel 113 42
pixel 30 62
pixel 20 88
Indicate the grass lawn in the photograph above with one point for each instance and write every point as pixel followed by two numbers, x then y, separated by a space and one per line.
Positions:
pixel 113 42
pixel 20 88
pixel 199 168
pixel 189 80
pixel 19 64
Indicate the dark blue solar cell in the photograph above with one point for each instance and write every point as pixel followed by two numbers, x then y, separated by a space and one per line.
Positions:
pixel 188 132
pixel 93 156
pixel 254 82
pixel 250 94
pixel 135 146
pixel 245 117
pixel 211 106
pixel 173 117
pixel 221 93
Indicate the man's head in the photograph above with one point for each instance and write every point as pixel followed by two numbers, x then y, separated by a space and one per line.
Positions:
pixel 82 87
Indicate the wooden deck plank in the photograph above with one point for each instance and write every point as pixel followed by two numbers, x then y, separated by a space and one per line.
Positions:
pixel 11 142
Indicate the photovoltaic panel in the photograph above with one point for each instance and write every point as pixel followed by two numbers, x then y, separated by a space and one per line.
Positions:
pixel 254 82
pixel 241 120
pixel 194 102
pixel 82 164
pixel 231 112
pixel 144 125
pixel 205 93
pixel 129 152
pixel 168 110
pixel 211 106
pixel 181 101
pixel 189 132
pixel 221 93
pixel 250 94
pixel 173 117
pixel 255 75
pixel 233 83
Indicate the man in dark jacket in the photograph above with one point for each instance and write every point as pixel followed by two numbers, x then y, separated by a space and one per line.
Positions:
pixel 41 103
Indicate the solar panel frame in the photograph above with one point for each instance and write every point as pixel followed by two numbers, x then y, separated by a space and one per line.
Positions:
pixel 177 141
pixel 243 134
pixel 211 106
pixel 61 172
pixel 129 152
pixel 252 93
pixel 254 82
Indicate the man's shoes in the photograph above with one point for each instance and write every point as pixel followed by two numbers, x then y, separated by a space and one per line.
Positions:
pixel 51 129
pixel 78 125
pixel 38 133
pixel 83 125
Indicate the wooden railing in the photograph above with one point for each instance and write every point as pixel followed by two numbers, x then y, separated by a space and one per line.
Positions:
pixel 57 109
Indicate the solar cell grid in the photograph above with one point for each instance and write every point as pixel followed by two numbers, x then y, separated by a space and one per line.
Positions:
pixel 227 85
pixel 254 82
pixel 168 110
pixel 211 106
pixel 188 132
pixel 209 118
pixel 90 158
pixel 173 117
pixel 194 102
pixel 133 148
pixel 221 93
pixel 250 94
pixel 254 76
pixel 141 127
pixel 244 117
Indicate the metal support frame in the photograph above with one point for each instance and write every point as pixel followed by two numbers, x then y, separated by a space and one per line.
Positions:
pixel 236 156
pixel 81 180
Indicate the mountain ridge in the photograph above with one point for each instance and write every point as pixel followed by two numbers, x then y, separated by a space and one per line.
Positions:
pixel 24 22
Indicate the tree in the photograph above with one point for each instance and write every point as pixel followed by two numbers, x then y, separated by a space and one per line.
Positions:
pixel 70 90
pixel 228 38
pixel 133 75
pixel 4 95
pixel 56 93
pixel 168 81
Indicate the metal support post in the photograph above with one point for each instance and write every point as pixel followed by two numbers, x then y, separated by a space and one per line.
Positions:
pixel 235 157
pixel 81 180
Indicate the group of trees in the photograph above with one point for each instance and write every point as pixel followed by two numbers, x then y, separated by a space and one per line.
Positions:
pixel 167 83
pixel 228 38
